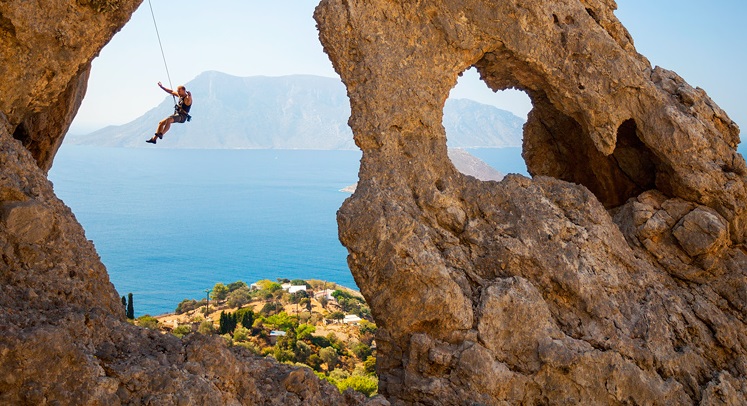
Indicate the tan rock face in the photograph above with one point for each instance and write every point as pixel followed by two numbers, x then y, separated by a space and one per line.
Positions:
pixel 63 338
pixel 616 275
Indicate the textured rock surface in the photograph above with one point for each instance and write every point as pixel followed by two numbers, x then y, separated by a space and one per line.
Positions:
pixel 63 337
pixel 617 274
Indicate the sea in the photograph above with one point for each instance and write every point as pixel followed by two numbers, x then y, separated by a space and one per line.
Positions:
pixel 171 223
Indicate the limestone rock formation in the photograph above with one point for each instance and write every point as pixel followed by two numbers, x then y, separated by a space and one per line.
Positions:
pixel 618 274
pixel 615 275
pixel 63 336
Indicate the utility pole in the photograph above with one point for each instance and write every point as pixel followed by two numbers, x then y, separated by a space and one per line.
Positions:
pixel 207 303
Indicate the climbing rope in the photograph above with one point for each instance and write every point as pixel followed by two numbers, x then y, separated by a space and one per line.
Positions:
pixel 171 86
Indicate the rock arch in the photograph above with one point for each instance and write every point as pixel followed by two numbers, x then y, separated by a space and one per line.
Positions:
pixel 520 291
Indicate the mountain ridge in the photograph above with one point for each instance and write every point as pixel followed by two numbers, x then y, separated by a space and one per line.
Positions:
pixel 288 112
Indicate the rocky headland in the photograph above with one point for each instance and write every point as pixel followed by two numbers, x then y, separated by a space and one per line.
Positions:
pixel 616 275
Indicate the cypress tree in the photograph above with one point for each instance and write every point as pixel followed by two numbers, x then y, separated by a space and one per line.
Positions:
pixel 124 304
pixel 130 307
pixel 222 323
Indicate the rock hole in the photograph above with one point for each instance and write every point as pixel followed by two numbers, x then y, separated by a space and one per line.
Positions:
pixel 484 128
pixel 21 133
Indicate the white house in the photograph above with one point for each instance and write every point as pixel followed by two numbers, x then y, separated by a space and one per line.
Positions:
pixel 286 286
pixel 351 319
pixel 294 289
pixel 324 293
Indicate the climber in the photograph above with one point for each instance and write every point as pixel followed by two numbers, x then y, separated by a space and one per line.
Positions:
pixel 181 111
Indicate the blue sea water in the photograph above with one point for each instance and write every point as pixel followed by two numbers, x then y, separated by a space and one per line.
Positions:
pixel 170 223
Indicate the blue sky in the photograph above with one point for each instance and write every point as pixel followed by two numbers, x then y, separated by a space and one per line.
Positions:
pixel 704 42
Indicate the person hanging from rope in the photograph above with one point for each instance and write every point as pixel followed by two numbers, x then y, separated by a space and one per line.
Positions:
pixel 181 111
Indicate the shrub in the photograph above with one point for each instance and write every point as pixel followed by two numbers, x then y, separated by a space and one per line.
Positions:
pixel 362 351
pixel 182 330
pixel 367 385
pixel 369 365
pixel 283 355
pixel 366 326
pixel 148 322
pixel 241 334
pixel 206 328
pixel 270 308
pixel 253 348
pixel 188 305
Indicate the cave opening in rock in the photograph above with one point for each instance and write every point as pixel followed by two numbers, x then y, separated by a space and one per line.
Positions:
pixel 556 144
pixel 484 128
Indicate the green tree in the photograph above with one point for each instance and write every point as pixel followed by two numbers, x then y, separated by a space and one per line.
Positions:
pixel 245 317
pixel 268 285
pixel 130 307
pixel 299 282
pixel 236 285
pixel 226 323
pixel 302 351
pixel 124 304
pixel 338 294
pixel 270 308
pixel 280 321
pixel 314 361
pixel 329 356
pixel 362 351
pixel 220 291
pixel 239 297
pixel 336 316
pixel 304 331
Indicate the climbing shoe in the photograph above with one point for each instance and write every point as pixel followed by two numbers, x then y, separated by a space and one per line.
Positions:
pixel 151 141
pixel 159 135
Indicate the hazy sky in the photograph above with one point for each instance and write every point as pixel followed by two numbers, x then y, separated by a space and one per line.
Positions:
pixel 704 42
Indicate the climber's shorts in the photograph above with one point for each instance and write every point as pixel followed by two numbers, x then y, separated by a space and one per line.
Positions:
pixel 178 118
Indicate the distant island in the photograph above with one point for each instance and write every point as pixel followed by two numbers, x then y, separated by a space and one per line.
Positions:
pixel 289 112
pixel 310 323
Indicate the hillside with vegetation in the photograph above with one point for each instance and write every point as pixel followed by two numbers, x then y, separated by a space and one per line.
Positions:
pixel 308 323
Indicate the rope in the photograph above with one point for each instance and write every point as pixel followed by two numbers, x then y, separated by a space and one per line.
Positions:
pixel 163 55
